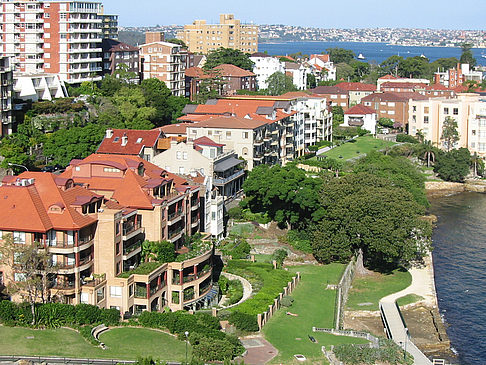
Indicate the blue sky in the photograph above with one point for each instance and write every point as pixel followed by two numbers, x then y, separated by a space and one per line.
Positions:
pixel 439 14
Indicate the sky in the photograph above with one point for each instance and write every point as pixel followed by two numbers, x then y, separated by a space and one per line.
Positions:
pixel 437 14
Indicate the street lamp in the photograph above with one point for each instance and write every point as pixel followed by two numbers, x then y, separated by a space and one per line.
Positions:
pixel 405 347
pixel 187 334
pixel 14 164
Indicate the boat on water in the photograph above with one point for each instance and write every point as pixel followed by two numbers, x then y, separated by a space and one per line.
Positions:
pixel 361 57
pixel 423 56
pixel 483 55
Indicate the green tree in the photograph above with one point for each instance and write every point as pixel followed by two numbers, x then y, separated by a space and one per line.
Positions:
pixel 228 56
pixel 417 67
pixel 180 42
pixel 385 122
pixel 311 81
pixel 289 200
pixel 160 251
pixel 450 134
pixel 467 56
pixel 279 83
pixel 340 55
pixel 477 164
pixel 427 152
pixel 367 212
pixel 133 109
pixel 361 69
pixel 453 165
pixel 344 72
pixel 391 64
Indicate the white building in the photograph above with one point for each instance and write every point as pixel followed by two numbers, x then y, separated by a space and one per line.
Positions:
pixel 298 72
pixel 360 116
pixel 265 66
pixel 324 68
pixel 6 94
pixel 39 87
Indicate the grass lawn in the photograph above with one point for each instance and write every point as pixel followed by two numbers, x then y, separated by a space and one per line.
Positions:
pixel 368 290
pixel 122 344
pixel 363 145
pixel 314 305
pixel 409 299
pixel 243 229
pixel 263 258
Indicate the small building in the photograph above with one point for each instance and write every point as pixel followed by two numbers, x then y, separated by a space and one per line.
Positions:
pixel 357 91
pixel 116 53
pixel 360 116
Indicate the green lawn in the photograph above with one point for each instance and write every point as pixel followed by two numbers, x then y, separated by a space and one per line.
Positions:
pixel 263 258
pixel 314 305
pixel 367 291
pixel 409 299
pixel 363 145
pixel 243 229
pixel 122 343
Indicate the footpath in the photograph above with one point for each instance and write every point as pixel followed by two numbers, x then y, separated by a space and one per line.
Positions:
pixel 423 285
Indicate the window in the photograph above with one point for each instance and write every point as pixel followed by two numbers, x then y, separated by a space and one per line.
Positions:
pixel 244 151
pixel 446 111
pixel 184 155
pixel 17 257
pixel 213 216
pixel 117 248
pixel 19 237
pixel 426 119
pixel 178 155
pixel 181 170
pixel 115 291
pixel 110 169
pixel 100 294
pixel 228 135
pixel 20 276
pixel 131 290
pixel 84 298
pixel 455 111
pixel 245 135
pixel 426 110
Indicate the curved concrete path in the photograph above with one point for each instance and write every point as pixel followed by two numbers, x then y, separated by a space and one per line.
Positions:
pixel 247 288
pixel 422 284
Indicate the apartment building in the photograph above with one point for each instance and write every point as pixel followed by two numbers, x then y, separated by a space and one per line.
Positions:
pixel 133 142
pixel 116 53
pixel 391 78
pixel 324 68
pixel 6 95
pixel 201 37
pixel 230 78
pixel 35 87
pixel 335 95
pixel 166 62
pixel 298 73
pixel 95 242
pixel 275 116
pixel 60 37
pixel 109 25
pixel 360 116
pixel 356 91
pixel 457 76
pixel 265 66
pixel 394 106
pixel 468 110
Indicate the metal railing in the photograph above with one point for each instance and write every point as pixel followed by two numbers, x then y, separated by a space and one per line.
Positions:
pixel 131 248
pixel 131 227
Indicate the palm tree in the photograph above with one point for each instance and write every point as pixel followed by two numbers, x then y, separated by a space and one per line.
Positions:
pixel 420 136
pixel 475 161
pixel 428 151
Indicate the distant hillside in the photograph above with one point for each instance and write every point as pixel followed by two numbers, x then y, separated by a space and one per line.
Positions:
pixel 133 38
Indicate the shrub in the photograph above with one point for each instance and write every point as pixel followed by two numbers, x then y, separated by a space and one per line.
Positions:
pixel 235 213
pixel 406 138
pixel 8 311
pixel 299 240
pixel 287 301
pixel 242 250
pixel 110 317
pixel 87 314
pixel 244 321
pixel 85 331
pixel 279 256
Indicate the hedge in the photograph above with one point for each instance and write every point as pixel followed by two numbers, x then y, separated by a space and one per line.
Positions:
pixel 244 321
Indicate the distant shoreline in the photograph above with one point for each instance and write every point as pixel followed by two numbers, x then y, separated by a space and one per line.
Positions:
pixel 383 43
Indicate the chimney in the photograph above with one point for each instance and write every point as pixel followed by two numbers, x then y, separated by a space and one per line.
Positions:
pixel 124 140
pixel 151 37
pixel 109 133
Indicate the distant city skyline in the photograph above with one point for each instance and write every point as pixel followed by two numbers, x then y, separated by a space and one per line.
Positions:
pixel 437 14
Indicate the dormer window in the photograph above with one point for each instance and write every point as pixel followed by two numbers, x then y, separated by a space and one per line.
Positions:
pixel 139 140
pixel 141 169
pixel 116 139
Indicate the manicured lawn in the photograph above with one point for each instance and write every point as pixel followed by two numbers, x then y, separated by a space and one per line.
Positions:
pixel 263 258
pixel 363 145
pixel 122 343
pixel 242 229
pixel 409 299
pixel 314 305
pixel 368 290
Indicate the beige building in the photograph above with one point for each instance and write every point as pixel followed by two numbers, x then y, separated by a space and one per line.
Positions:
pixel 166 62
pixel 469 111
pixel 201 37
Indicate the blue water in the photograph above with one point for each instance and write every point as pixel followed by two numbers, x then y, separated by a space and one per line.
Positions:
pixel 460 272
pixel 377 52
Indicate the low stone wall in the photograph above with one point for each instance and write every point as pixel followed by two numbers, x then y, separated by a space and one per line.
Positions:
pixel 247 288
pixel 263 318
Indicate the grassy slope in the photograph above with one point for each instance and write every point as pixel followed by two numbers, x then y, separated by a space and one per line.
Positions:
pixel 122 343
pixel 314 305
pixel 363 144
pixel 371 288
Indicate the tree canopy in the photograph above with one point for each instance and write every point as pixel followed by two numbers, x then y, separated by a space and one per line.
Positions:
pixel 228 56
pixel 453 165
pixel 450 134
pixel 467 56
pixel 340 55
pixel 367 212
pixel 279 83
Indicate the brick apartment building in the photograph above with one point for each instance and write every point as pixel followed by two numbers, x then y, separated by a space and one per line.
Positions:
pixel 164 61
pixel 61 37
pixel 335 95
pixel 93 219
pixel 392 105
pixel 116 53
pixel 201 37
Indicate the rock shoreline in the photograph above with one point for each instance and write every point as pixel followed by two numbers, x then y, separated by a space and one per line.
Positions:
pixel 444 188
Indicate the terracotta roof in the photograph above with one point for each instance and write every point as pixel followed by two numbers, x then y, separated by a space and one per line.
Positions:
pixel 402 85
pixel 322 57
pixel 388 77
pixel 230 123
pixel 136 141
pixel 356 86
pixel 27 208
pixel 178 128
pixel 259 54
pixel 205 141
pixel 328 90
pixel 232 71
pixel 360 109
pixel 114 45
pixel 198 72
pixel 398 97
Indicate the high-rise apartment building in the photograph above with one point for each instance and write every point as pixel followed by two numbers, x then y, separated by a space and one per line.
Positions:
pixel 229 33
pixel 61 37
pixel 6 87
pixel 109 26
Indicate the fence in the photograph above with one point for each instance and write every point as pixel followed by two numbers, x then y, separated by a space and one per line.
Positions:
pixel 374 341
pixel 263 318
pixel 342 291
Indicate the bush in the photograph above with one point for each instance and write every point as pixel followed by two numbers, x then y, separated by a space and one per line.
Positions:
pixel 299 240
pixel 244 321
pixel 8 311
pixel 279 256
pixel 406 138
pixel 85 331
pixel 110 317
pixel 287 301
pixel 87 314
pixel 241 251
pixel 236 213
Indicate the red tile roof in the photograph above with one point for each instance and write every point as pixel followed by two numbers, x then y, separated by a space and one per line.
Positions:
pixel 136 141
pixel 322 57
pixel 198 72
pixel 360 109
pixel 230 123
pixel 205 141
pixel 356 86
pixel 329 90
pixel 228 70
pixel 178 128
pixel 388 77
pixel 398 97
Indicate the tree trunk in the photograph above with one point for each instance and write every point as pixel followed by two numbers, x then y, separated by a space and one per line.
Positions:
pixel 360 269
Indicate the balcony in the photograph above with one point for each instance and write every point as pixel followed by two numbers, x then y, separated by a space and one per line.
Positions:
pixel 174 217
pixel 91 281
pixel 130 229
pixel 175 235
pixel 223 181
pixel 195 206
pixel 132 250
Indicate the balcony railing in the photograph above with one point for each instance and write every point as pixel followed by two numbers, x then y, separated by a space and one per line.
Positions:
pixel 177 213
pixel 175 233
pixel 131 248
pixel 85 260
pixel 130 227
pixel 140 291
pixel 229 178
pixel 92 282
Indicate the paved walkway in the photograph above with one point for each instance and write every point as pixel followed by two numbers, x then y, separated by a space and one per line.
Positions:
pixel 423 285
pixel 259 350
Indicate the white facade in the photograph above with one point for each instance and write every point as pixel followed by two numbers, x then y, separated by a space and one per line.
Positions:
pixel 365 121
pixel 324 69
pixel 39 87
pixel 265 66
pixel 6 95
pixel 298 72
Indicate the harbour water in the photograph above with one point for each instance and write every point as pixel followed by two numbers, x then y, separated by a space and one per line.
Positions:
pixel 460 272
pixel 373 52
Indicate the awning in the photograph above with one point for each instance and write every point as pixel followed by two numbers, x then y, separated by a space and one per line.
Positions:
pixel 226 164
